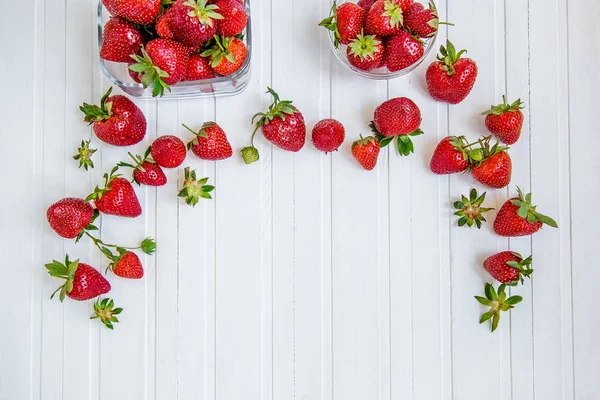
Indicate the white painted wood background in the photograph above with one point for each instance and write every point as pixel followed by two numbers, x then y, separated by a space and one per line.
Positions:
pixel 307 277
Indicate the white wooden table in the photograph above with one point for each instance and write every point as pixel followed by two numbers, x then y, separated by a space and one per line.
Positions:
pixel 307 277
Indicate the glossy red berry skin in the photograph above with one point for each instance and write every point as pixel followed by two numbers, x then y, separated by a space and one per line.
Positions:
pixel 447 159
pixel 288 134
pixel 398 116
pixel 402 51
pixel 198 69
pixel 120 39
pixel 129 266
pixel 366 152
pixel 169 56
pixel 88 283
pixel 495 171
pixel 125 127
pixel 119 200
pixel 508 223
pixel 152 175
pixel 69 216
pixel 451 88
pixel 496 266
pixel 506 127
pixel 234 19
pixel 215 146
pixel 168 151
pixel 350 21
pixel 328 135
pixel 137 11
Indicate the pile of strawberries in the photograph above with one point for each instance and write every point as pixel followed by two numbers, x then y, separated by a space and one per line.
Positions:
pixel 165 42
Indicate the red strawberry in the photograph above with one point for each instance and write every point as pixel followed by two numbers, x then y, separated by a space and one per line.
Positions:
pixel 283 125
pixel 69 217
pixel 346 22
pixel 146 171
pixel 210 142
pixel 505 121
pixel 137 11
pixel 365 52
pixel 492 167
pixel 127 265
pixel 328 135
pixel 120 40
pixel 366 4
pixel 385 17
pixel 168 151
pixel 82 282
pixel 402 51
pixel 163 26
pixel 117 197
pixel 234 19
pixel 366 150
pixel 423 22
pixel 227 55
pixel 118 121
pixel 397 117
pixel 518 217
pixel 508 267
pixel 451 78
pixel 198 69
pixel 450 156
pixel 194 22
pixel 163 63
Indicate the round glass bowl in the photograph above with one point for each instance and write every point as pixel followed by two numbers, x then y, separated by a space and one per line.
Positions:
pixel 379 73
pixel 230 85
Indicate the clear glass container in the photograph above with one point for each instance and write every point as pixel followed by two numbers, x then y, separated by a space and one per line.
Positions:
pixel 379 73
pixel 215 87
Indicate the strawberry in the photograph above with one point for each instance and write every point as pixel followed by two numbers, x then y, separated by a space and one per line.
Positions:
pixel 470 210
pixel 397 117
pixel 328 135
pixel 210 142
pixel 508 267
pixel 127 265
pixel 227 55
pixel 423 22
pixel 385 17
pixel 346 22
pixel 365 52
pixel 193 189
pixel 402 51
pixel 70 216
pixel 145 170
pixel 518 217
pixel 84 155
pixel 366 150
pixel 117 197
pixel 491 166
pixel 451 78
pixel 234 19
pixel 505 121
pixel 120 39
pixel 103 310
pixel 117 121
pixel 366 4
pixel 163 25
pixel 283 125
pixel 198 69
pixel 137 11
pixel 82 282
pixel 450 156
pixel 168 151
pixel 194 22
pixel 497 302
pixel 163 63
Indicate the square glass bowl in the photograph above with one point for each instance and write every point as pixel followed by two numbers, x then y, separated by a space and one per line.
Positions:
pixel 215 87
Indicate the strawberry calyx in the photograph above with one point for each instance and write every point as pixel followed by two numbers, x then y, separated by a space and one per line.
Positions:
pixel 497 302
pixel 200 134
pixel 504 107
pixel 330 23
pixel 84 155
pixel 64 271
pixel 393 10
pixel 363 141
pixel 108 178
pixel 523 266
pixel 94 113
pixel 194 189
pixel 104 311
pixel 470 209
pixel 219 50
pixel 404 143
pixel 150 73
pixel 529 212
pixel 205 13
pixel 365 46
pixel 484 152
pixel 449 57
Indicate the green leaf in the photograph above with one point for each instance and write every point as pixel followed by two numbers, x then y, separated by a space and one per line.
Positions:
pixel 490 293
pixel 495 321
pixel 513 300
pixel 546 220
pixel 483 301
pixel 486 316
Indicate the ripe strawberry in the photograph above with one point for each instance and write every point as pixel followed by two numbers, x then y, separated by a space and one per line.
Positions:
pixel 117 197
pixel 227 55
pixel 402 51
pixel 198 69
pixel 127 265
pixel 118 121
pixel 163 63
pixel 145 171
pixel 423 22
pixel 283 125
pixel 346 22
pixel 82 282
pixel 385 17
pixel 365 52
pixel 210 142
pixel 193 189
pixel 450 156
pixel 234 19
pixel 328 135
pixel 492 167
pixel 366 150
pixel 366 4
pixel 194 22
pixel 518 217
pixel 137 11
pixel 163 25
pixel 505 121
pixel 103 310
pixel 451 78
pixel 497 302
pixel 470 210
pixel 70 216
pixel 168 151
pixel 120 40
pixel 508 267
pixel 397 117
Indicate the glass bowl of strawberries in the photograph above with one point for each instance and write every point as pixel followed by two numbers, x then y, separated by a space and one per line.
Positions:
pixel 382 39
pixel 176 48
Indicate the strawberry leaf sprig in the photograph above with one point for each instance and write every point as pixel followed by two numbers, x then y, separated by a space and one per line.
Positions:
pixel 404 144
pixel 485 150
pixel 194 189
pixel 104 311
pixel 497 302
pixel 330 23
pixel 470 209
pixel 84 155
pixel 505 107
pixel 94 113
pixel 523 266
pixel 449 57
pixel 219 50
pixel 527 210
pixel 152 75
